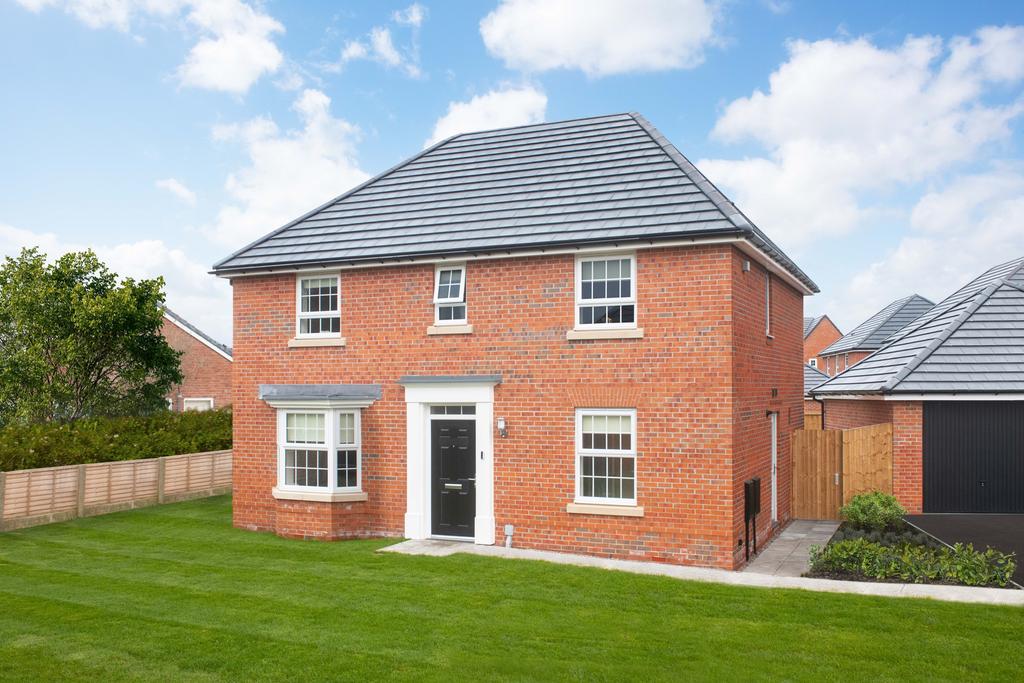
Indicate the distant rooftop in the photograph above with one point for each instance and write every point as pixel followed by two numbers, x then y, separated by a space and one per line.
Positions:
pixel 871 334
pixel 970 342
pixel 602 180
pixel 224 348
pixel 813 377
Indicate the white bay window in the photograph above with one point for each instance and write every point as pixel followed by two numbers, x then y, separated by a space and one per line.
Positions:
pixel 319 452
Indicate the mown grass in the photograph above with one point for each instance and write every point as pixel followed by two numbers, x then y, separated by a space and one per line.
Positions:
pixel 175 593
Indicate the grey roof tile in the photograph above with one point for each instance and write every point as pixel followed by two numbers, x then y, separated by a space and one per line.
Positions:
pixel 813 377
pixel 606 179
pixel 971 341
pixel 873 332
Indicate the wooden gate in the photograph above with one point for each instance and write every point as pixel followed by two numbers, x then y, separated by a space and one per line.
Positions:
pixel 817 473
pixel 832 466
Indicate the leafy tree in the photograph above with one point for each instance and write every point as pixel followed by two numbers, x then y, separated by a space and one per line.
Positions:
pixel 75 341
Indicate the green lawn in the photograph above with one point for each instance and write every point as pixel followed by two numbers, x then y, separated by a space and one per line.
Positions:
pixel 175 593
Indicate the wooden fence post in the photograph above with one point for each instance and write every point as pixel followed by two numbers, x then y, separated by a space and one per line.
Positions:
pixel 3 481
pixel 80 509
pixel 161 478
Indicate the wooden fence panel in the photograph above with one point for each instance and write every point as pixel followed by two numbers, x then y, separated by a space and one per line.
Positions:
pixel 817 473
pixel 40 496
pixel 867 460
pixel 812 421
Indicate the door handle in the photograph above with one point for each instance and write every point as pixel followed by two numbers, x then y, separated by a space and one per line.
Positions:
pixel 457 487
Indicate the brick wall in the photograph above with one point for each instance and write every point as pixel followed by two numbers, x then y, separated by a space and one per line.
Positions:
pixel 850 413
pixel 682 377
pixel 833 364
pixel 207 374
pixel 821 337
pixel 767 378
pixel 907 458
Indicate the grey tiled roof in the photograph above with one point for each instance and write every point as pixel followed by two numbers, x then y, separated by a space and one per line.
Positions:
pixel 812 378
pixel 972 341
pixel 811 323
pixel 311 392
pixel 196 331
pixel 873 332
pixel 602 180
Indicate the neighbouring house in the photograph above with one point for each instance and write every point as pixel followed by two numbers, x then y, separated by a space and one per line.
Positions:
pixel 871 334
pixel 813 377
pixel 205 366
pixel 560 336
pixel 952 385
pixel 819 333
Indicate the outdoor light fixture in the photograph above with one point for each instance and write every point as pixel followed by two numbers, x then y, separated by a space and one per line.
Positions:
pixel 502 428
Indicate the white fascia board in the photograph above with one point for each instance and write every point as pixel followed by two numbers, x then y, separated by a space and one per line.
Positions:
pixel 742 243
pixel 195 336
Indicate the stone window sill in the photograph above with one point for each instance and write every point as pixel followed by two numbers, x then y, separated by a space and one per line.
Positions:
pixel 583 333
pixel 450 329
pixel 307 342
pixel 320 496
pixel 608 510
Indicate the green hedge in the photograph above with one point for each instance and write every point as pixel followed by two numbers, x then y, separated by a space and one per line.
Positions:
pixel 113 438
pixel 962 564
pixel 875 510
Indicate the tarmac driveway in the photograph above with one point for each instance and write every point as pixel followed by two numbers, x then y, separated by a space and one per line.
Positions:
pixel 1002 532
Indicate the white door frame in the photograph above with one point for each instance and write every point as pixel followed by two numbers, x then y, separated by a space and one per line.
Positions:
pixel 418 399
pixel 774 419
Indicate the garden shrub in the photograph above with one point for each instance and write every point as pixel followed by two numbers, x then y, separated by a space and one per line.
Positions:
pixel 875 510
pixel 889 537
pixel 105 439
pixel 907 562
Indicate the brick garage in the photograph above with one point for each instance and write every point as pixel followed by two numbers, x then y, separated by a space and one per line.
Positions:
pixel 700 381
pixel 205 365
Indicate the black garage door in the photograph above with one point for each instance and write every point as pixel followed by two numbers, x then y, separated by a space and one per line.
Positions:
pixel 973 456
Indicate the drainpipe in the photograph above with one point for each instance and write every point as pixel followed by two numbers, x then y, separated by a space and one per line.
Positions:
pixel 822 404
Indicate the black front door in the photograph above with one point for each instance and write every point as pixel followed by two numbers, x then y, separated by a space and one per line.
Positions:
pixel 453 477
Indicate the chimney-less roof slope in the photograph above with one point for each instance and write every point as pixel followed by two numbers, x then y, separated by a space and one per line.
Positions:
pixel 603 180
pixel 971 342
pixel 872 334
pixel 813 377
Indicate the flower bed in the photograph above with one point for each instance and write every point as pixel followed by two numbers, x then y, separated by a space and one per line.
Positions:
pixel 875 544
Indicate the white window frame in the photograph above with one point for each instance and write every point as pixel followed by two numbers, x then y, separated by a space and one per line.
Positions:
pixel 813 362
pixel 300 316
pixel 767 304
pixel 631 300
pixel 461 299
pixel 331 445
pixel 185 401
pixel 631 453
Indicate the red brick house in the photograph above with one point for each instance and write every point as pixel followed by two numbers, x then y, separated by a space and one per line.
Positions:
pixel 819 333
pixel 205 365
pixel 952 385
pixel 561 336
pixel 871 334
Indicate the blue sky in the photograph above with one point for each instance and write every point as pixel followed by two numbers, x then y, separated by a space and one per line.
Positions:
pixel 879 143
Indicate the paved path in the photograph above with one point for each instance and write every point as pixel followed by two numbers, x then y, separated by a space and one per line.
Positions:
pixel 994 596
pixel 789 553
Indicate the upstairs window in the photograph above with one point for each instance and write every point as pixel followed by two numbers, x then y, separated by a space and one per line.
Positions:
pixel 606 456
pixel 319 313
pixel 606 292
pixel 450 295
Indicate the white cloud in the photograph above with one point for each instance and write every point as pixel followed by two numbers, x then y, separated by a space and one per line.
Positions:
pixel 843 119
pixel 600 37
pixel 191 291
pixel 379 45
pixel 509 106
pixel 958 232
pixel 288 173
pixel 178 189
pixel 235 46
pixel 413 15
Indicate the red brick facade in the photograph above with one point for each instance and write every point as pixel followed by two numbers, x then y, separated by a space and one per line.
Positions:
pixel 835 363
pixel 207 373
pixel 702 380
pixel 824 334
pixel 907 418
